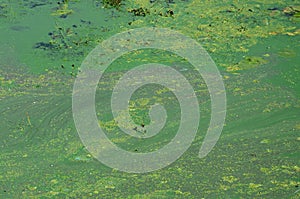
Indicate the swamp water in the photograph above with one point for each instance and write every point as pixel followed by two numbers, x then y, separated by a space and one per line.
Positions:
pixel 255 45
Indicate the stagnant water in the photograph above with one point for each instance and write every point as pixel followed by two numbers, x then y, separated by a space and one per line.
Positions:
pixel 255 45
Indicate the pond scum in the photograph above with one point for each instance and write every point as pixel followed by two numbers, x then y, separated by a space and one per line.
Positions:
pixel 255 46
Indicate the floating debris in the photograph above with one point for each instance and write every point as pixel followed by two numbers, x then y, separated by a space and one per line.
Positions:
pixel 28 119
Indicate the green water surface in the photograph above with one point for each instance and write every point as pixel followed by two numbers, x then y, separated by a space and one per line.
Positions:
pixel 255 45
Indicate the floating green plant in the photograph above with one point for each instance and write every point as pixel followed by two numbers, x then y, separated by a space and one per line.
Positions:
pixel 112 3
pixel 247 63
pixel 3 10
pixel 288 53
pixel 63 9
pixel 292 10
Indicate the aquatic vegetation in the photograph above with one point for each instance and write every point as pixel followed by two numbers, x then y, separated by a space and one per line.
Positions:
pixel 112 3
pixel 3 11
pixel 9 11
pixel 256 169
pixel 221 28
pixel 257 155
pixel 287 53
pixel 7 84
pixel 63 9
pixel 247 63
pixel 69 44
pixel 139 11
pixel 155 8
pixel 292 11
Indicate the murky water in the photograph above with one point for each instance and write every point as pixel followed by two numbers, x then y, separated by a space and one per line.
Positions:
pixel 255 46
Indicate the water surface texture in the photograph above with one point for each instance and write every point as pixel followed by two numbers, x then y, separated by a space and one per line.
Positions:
pixel 255 45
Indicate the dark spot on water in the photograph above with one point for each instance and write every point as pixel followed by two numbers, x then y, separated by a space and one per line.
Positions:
pixel 33 5
pixel 63 16
pixel 43 45
pixel 19 28
pixel 170 12
pixel 140 11
pixel 274 8
pixel 228 11
pixel 85 22
pixel 253 154
pixel 242 29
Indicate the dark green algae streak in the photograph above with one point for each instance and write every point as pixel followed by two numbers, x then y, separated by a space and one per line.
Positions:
pixel 255 45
